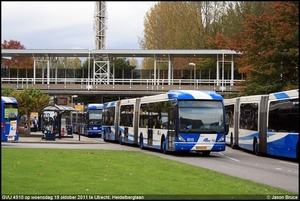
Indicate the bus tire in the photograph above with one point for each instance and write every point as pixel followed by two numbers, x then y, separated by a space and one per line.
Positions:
pixel 231 141
pixel 120 139
pixel 104 137
pixel 255 147
pixel 141 142
pixel 163 145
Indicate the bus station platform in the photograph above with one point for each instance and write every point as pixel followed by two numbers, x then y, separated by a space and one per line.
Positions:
pixel 38 137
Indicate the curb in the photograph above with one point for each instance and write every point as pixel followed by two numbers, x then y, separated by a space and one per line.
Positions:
pixel 60 142
pixel 37 138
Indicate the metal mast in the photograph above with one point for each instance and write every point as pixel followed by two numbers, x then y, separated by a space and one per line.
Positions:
pixel 100 25
pixel 101 65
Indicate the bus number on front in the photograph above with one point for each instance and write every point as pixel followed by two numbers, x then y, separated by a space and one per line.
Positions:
pixel 190 139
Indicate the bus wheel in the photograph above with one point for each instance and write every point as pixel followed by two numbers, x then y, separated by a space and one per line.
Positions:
pixel 163 146
pixel 141 142
pixel 121 140
pixel 255 147
pixel 104 137
pixel 231 141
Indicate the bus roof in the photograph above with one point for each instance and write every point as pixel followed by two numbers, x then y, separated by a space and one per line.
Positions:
pixel 95 106
pixel 6 99
pixel 194 94
pixel 128 101
pixel 109 104
pixel 284 95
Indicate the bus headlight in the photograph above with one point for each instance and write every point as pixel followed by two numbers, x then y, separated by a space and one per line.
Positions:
pixel 222 139
pixel 181 138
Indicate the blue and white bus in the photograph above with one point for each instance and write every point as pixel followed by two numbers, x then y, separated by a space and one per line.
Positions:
pixel 128 121
pixel 118 121
pixel 79 124
pixel 89 121
pixel 9 119
pixel 265 124
pixel 183 120
pixel 176 121
pixel 110 121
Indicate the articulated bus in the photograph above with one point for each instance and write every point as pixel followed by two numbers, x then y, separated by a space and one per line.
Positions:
pixel 118 121
pixel 9 119
pixel 176 121
pixel 79 124
pixel 89 121
pixel 110 121
pixel 128 114
pixel 265 124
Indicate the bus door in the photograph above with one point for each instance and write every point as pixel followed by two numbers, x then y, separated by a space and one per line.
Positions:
pixel 171 129
pixel 84 124
pixel 150 130
pixel 110 123
pixel 108 134
pixel 125 122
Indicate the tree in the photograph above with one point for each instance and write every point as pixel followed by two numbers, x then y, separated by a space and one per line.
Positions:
pixel 233 19
pixel 31 100
pixel 123 68
pixel 270 47
pixel 17 62
pixel 181 25
pixel 195 25
pixel 6 91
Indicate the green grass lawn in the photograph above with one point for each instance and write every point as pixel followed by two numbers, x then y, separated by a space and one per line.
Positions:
pixel 106 172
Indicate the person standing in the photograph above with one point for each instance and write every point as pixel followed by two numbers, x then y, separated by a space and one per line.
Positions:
pixel 35 124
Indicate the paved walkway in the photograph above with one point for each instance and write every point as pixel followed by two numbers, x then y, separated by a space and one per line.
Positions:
pixel 36 137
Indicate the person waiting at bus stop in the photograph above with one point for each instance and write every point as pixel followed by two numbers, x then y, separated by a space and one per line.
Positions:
pixel 35 124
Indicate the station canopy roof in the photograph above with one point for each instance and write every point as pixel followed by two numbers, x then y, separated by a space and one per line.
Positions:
pixel 114 53
pixel 59 108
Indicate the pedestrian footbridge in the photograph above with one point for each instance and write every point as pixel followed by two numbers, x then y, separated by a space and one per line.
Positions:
pixel 70 86
pixel 102 77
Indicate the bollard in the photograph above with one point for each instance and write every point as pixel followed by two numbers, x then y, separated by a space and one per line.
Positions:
pixel 63 132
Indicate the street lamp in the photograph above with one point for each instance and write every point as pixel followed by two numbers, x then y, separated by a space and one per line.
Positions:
pixel 222 88
pixel 74 96
pixel 89 69
pixel 193 64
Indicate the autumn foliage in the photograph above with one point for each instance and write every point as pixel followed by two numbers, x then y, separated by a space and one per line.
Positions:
pixel 16 62
pixel 270 47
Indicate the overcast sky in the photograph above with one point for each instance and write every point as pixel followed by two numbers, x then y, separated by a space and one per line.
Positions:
pixel 70 25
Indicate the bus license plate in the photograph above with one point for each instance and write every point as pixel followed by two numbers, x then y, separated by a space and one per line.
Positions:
pixel 201 147
pixel 10 137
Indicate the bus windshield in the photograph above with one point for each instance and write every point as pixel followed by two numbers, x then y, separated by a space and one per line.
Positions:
pixel 201 116
pixel 95 117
